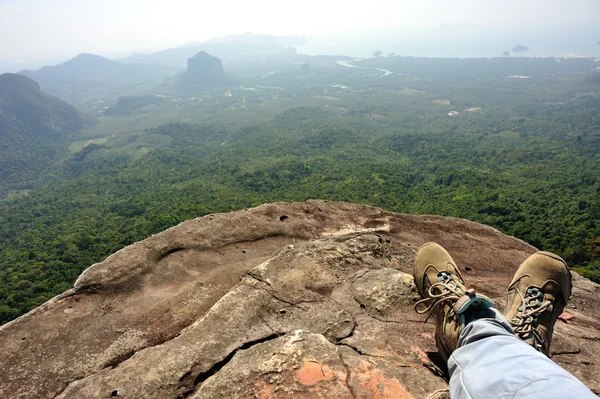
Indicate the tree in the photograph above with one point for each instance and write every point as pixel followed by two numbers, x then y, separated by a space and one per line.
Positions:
pixel 520 47
pixel 378 53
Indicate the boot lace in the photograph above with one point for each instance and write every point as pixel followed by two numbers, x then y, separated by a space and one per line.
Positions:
pixel 444 292
pixel 526 320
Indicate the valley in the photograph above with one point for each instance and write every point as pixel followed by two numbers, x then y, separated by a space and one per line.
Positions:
pixel 471 138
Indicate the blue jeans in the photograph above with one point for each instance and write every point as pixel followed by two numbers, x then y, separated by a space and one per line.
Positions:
pixel 491 362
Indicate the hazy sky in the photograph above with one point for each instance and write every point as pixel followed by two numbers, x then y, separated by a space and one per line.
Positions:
pixel 40 28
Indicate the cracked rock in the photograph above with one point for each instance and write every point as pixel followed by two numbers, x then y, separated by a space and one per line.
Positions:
pixel 299 365
pixel 212 308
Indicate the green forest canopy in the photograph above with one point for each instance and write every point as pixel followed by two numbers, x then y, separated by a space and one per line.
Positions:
pixel 510 142
pixel 536 178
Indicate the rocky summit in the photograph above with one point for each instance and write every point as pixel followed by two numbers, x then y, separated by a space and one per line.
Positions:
pixel 303 300
pixel 203 71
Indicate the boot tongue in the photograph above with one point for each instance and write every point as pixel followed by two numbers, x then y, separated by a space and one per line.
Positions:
pixel 526 321
pixel 447 279
pixel 471 300
pixel 534 296
pixel 467 299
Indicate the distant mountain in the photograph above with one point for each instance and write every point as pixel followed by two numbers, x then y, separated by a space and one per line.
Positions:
pixel 231 48
pixel 83 67
pixel 519 47
pixel 174 56
pixel 128 105
pixel 89 71
pixel 35 129
pixel 203 71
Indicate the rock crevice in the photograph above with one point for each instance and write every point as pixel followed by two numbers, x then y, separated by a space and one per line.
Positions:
pixel 319 304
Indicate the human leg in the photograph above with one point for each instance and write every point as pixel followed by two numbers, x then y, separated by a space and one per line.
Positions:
pixel 488 360
pixel 491 362
pixel 444 294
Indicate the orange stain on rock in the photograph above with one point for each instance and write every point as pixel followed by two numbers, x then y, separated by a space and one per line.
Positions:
pixel 310 373
pixel 380 387
pixel 376 386
pixel 264 391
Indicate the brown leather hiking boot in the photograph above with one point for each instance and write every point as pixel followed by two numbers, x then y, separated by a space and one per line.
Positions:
pixel 444 294
pixel 537 295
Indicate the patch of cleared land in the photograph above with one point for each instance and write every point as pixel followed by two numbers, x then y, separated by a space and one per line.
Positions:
pixel 79 145
pixel 410 92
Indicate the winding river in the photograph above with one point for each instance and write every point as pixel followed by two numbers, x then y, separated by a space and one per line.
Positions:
pixel 348 65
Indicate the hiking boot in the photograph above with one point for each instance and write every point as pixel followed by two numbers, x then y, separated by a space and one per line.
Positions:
pixel 444 295
pixel 537 295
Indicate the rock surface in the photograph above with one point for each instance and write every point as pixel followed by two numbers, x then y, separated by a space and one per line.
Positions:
pixel 303 300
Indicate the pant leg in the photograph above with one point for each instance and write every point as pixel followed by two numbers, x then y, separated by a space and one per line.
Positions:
pixel 491 362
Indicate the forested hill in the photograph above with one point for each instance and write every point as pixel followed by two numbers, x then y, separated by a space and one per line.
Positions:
pixel 35 129
pixel 535 177
pixel 203 71
pixel 87 74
